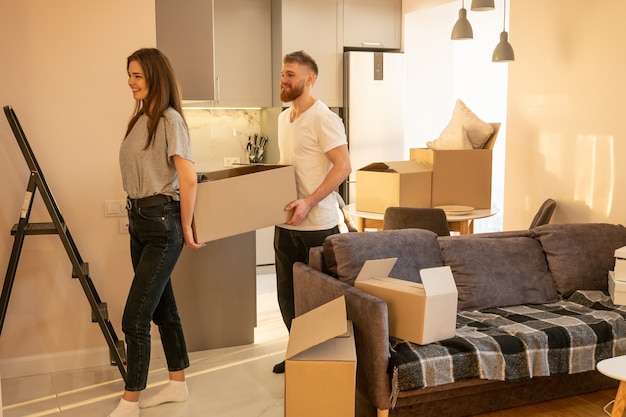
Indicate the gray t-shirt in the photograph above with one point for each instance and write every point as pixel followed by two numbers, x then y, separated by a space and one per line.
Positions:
pixel 148 172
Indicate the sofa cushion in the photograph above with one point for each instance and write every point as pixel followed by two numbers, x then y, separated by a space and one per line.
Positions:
pixel 494 272
pixel 580 255
pixel 345 253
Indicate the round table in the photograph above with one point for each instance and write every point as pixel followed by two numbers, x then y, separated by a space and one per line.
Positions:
pixel 463 224
pixel 616 368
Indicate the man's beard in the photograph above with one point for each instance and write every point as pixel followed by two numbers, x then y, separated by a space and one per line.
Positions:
pixel 296 91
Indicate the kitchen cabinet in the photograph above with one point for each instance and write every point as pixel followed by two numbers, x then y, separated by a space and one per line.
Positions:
pixel 215 290
pixel 220 49
pixel 265 246
pixel 317 28
pixel 373 24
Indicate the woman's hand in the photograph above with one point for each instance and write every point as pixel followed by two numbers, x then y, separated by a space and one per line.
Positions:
pixel 188 183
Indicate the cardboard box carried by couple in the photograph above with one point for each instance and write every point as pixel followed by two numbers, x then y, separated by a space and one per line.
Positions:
pixel 242 199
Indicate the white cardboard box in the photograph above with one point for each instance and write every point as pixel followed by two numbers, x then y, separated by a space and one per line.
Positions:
pixel 617 289
pixel 241 199
pixel 420 313
pixel 620 264
pixel 320 363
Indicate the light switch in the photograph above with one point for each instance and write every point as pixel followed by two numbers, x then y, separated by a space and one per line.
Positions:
pixel 114 208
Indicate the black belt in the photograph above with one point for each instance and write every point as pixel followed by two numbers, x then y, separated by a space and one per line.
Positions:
pixel 151 201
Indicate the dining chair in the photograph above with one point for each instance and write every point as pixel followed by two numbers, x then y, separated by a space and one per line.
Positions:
pixel 433 219
pixel 346 224
pixel 544 214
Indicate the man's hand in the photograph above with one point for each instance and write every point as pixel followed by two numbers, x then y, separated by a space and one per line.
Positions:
pixel 300 209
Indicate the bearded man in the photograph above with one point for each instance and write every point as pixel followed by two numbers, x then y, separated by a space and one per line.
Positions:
pixel 313 139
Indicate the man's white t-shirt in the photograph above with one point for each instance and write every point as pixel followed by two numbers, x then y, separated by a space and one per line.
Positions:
pixel 303 143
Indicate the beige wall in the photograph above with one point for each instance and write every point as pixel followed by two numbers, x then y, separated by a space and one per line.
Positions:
pixel 566 135
pixel 63 71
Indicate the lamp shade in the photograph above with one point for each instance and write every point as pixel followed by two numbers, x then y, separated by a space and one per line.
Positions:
pixel 482 5
pixel 504 50
pixel 462 28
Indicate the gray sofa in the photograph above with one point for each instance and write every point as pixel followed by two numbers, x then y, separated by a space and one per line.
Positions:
pixel 558 270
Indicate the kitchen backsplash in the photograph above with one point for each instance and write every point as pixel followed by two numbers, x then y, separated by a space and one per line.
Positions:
pixel 216 134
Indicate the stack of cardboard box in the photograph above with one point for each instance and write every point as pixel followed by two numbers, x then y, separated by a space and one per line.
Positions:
pixel 430 178
pixel 617 278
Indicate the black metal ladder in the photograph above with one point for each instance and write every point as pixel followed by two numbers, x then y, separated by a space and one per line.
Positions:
pixel 23 228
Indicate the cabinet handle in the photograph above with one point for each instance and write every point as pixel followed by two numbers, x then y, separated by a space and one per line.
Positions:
pixel 218 91
pixel 372 44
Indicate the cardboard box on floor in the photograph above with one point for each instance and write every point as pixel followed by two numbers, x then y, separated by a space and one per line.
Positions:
pixel 420 313
pixel 242 199
pixel 617 289
pixel 459 176
pixel 320 363
pixel 393 184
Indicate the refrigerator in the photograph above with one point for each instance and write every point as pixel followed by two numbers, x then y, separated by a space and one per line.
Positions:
pixel 374 106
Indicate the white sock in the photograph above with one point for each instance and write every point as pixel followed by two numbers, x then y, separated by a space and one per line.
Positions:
pixel 126 409
pixel 173 392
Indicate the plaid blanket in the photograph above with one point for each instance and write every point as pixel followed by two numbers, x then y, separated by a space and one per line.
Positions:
pixel 515 343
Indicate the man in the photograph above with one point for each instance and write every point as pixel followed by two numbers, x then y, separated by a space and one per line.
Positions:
pixel 311 138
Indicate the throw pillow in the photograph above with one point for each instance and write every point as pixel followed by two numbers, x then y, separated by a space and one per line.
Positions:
pixel 498 272
pixel 464 131
pixel 345 253
pixel 580 255
pixel 453 137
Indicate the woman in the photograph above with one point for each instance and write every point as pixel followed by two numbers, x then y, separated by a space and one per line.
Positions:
pixel 159 177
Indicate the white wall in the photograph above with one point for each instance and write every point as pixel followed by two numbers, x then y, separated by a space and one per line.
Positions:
pixel 64 73
pixel 440 71
pixel 566 135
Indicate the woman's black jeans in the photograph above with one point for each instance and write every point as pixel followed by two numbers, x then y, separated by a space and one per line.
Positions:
pixel 156 241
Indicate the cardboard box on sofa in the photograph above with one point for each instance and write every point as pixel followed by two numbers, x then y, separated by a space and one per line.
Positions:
pixel 420 313
pixel 617 289
pixel 393 184
pixel 459 176
pixel 620 264
pixel 320 363
pixel 242 199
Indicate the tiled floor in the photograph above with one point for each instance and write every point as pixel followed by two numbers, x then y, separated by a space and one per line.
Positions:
pixel 228 382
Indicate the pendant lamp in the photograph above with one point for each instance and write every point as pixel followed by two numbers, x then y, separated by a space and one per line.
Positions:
pixel 504 50
pixel 482 5
pixel 462 28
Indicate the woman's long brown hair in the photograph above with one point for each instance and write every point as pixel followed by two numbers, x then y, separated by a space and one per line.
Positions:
pixel 162 89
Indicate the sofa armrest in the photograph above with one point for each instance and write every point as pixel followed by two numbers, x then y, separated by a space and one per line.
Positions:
pixel 316 258
pixel 368 314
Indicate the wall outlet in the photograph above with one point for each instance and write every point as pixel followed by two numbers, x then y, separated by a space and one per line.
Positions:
pixel 231 160
pixel 124 225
